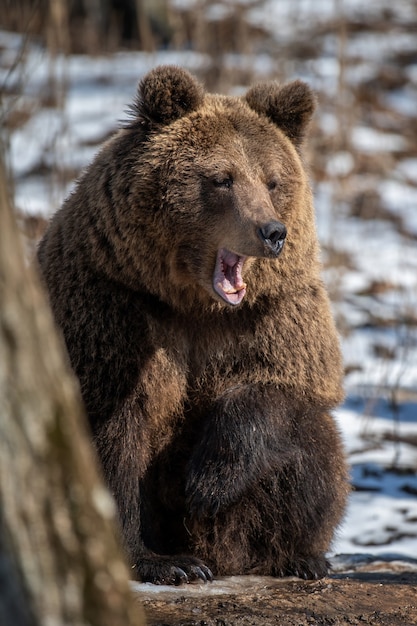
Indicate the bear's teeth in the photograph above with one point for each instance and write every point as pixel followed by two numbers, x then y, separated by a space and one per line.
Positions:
pixel 231 289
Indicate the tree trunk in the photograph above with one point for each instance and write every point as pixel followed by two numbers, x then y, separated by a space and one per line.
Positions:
pixel 60 556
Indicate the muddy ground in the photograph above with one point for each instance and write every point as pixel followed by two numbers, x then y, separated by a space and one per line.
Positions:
pixel 374 592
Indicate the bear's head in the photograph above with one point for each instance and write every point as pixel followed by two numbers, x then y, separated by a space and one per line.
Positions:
pixel 221 189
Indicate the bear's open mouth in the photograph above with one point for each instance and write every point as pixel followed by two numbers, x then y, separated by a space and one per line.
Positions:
pixel 227 278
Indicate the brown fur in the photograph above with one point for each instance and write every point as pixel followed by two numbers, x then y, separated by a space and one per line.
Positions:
pixel 211 420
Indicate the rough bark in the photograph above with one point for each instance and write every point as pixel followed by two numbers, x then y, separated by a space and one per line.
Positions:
pixel 60 557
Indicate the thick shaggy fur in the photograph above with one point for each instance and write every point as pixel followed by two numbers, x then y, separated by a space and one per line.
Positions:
pixel 210 417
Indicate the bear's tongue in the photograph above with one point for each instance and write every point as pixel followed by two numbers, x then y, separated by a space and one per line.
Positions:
pixel 227 279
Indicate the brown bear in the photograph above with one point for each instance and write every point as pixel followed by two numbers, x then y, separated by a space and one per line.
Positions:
pixel 184 274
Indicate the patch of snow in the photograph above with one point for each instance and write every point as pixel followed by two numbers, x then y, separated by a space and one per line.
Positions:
pixel 355 562
pixel 35 142
pixel 34 197
pixel 401 199
pixel 408 169
pixel 402 101
pixel 371 140
pixel 342 164
pixel 217 12
pixel 375 521
pixel 384 511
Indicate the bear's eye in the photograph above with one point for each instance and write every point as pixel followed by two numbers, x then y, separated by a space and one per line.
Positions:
pixel 272 184
pixel 223 182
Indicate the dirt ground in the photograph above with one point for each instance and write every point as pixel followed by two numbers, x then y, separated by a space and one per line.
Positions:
pixel 377 593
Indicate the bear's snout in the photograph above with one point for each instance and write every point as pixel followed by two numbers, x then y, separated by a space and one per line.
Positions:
pixel 272 235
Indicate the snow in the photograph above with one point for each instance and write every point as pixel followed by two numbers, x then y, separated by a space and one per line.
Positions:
pixel 368 139
pixel 379 418
pixel 382 509
pixel 341 164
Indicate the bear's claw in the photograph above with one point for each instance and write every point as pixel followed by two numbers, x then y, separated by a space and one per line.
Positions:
pixel 172 570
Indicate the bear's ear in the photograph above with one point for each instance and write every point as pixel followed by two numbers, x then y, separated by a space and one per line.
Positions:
pixel 166 94
pixel 289 106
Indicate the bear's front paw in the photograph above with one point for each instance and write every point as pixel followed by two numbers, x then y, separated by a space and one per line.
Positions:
pixel 308 568
pixel 172 570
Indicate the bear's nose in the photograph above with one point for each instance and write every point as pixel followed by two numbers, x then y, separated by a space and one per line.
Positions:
pixel 273 235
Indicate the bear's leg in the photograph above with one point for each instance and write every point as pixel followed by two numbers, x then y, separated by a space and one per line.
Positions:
pixel 125 460
pixel 267 485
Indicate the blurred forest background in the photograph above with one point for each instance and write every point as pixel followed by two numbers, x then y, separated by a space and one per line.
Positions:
pixel 68 69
